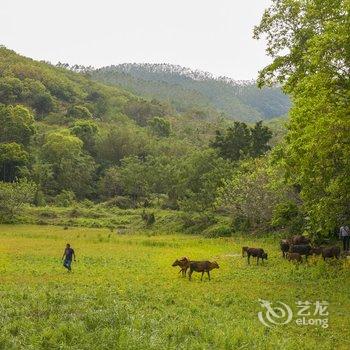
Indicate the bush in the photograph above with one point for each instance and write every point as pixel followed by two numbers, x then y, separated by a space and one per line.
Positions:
pixel 195 222
pixel 288 215
pixel 241 224
pixel 148 218
pixel 220 231
pixel 12 198
pixel 120 202
pixel 79 112
pixel 65 199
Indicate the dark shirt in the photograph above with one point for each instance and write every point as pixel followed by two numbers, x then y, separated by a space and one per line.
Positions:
pixel 69 253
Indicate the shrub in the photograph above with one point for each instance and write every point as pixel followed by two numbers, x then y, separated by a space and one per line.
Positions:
pixel 12 198
pixel 241 224
pixel 220 231
pixel 148 218
pixel 197 222
pixel 288 215
pixel 65 199
pixel 79 112
pixel 121 202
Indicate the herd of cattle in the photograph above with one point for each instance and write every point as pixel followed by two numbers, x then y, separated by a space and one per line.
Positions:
pixel 292 248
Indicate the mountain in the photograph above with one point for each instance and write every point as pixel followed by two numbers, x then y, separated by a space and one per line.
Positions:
pixel 184 88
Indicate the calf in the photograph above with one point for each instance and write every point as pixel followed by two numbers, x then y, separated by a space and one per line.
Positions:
pixel 302 249
pixel 244 251
pixel 299 240
pixel 294 257
pixel 257 253
pixel 316 250
pixel 183 263
pixel 284 245
pixel 331 252
pixel 202 266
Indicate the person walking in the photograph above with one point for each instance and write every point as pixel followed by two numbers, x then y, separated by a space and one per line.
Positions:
pixel 68 255
pixel 344 235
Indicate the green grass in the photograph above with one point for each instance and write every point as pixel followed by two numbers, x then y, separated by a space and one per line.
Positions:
pixel 124 294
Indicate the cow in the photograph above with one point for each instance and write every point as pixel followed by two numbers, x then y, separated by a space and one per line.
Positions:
pixel 299 240
pixel 284 245
pixel 257 253
pixel 294 257
pixel 202 266
pixel 302 249
pixel 183 263
pixel 316 250
pixel 331 252
pixel 244 251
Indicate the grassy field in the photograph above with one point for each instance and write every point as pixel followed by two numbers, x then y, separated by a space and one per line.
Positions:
pixel 123 293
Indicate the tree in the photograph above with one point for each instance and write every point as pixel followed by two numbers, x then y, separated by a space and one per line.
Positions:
pixel 12 157
pixel 203 174
pixel 12 198
pixel 261 136
pixel 87 131
pixel 252 193
pixel 309 44
pixel 241 141
pixel 72 169
pixel 160 127
pixel 79 112
pixel 133 183
pixel 16 124
pixel 11 90
pixel 235 143
pixel 110 184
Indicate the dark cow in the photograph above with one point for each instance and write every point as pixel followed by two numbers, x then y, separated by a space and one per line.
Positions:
pixel 183 263
pixel 316 250
pixel 299 240
pixel 257 253
pixel 331 252
pixel 202 266
pixel 294 257
pixel 302 249
pixel 284 245
pixel 244 251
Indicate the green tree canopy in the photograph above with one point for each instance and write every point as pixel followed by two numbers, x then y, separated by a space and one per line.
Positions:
pixel 12 157
pixel 241 141
pixel 309 42
pixel 87 131
pixel 16 124
pixel 72 169
pixel 160 127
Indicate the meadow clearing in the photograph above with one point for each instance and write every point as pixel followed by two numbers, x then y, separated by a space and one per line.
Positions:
pixel 123 293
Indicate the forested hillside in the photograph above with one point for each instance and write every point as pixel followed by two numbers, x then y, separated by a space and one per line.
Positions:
pixel 66 138
pixel 183 88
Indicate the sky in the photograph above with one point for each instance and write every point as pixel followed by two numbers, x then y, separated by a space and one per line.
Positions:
pixel 210 35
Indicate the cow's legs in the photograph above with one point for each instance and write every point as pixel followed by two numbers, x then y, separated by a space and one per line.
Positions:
pixel 202 276
pixel 190 274
pixel 208 275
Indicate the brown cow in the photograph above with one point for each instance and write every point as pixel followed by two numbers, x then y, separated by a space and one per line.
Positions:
pixel 257 253
pixel 284 245
pixel 183 263
pixel 294 257
pixel 316 250
pixel 299 239
pixel 244 250
pixel 202 266
pixel 331 252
